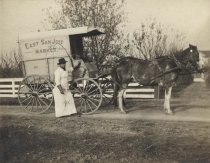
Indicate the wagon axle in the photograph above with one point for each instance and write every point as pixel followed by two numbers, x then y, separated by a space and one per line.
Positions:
pixel 35 93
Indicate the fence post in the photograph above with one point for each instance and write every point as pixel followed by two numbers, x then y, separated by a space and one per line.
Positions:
pixel 13 87
pixel 157 92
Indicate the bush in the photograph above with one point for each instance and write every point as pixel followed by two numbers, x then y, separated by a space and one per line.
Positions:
pixel 10 65
pixel 207 77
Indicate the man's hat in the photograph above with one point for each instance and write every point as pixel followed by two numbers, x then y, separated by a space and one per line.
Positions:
pixel 62 61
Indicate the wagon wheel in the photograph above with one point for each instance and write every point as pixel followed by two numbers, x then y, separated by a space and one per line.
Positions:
pixel 87 95
pixel 107 90
pixel 35 94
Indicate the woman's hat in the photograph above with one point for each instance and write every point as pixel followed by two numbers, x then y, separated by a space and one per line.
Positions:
pixel 62 61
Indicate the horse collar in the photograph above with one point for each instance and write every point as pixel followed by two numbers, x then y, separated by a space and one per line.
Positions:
pixel 178 63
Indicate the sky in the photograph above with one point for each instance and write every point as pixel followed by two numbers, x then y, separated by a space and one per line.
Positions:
pixel 190 17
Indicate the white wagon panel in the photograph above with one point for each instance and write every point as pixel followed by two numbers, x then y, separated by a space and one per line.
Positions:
pixel 39 67
pixel 42 48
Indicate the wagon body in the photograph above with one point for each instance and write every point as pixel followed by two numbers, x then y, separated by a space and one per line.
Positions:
pixel 40 53
pixel 41 50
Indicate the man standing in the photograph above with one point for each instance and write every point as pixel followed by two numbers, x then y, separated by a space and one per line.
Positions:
pixel 64 102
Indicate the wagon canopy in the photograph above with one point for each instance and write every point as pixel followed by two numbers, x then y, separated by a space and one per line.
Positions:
pixel 79 31
pixel 55 43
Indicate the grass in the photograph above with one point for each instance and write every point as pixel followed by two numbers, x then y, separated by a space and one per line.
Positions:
pixel 8 101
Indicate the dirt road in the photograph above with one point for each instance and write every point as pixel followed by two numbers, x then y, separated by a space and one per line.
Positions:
pixel 44 138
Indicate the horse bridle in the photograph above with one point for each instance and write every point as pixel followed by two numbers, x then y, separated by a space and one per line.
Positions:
pixel 180 65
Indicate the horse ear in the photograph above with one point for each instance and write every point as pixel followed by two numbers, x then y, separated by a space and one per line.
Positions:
pixel 192 46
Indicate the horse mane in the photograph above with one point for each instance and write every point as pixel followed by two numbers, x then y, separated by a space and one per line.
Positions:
pixel 129 58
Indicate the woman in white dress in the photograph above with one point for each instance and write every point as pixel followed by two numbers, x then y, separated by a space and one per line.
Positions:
pixel 64 102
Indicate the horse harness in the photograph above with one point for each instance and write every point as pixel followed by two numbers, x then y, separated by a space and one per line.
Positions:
pixel 179 66
pixel 155 63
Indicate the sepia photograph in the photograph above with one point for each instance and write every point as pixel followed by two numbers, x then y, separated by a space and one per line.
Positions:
pixel 105 81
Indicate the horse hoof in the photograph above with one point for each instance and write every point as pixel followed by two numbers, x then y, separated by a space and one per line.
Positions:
pixel 169 113
pixel 124 112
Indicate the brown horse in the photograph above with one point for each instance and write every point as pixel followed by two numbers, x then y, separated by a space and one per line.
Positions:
pixel 161 71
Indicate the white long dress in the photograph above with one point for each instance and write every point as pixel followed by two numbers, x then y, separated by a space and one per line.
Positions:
pixel 64 103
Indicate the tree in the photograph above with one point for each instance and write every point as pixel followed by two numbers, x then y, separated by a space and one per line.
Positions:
pixel 106 14
pixel 152 40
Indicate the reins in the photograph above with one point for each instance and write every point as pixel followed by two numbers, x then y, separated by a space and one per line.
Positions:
pixel 178 63
pixel 163 73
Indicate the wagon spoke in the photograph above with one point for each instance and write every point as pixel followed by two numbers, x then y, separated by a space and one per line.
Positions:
pixel 34 83
pixel 89 93
pixel 91 86
pixel 79 87
pixel 107 91
pixel 46 98
pixel 26 87
pixel 89 106
pixel 24 91
pixel 82 102
pixel 26 84
pixel 45 94
pixel 77 90
pixel 84 83
pixel 29 96
pixel 86 86
pixel 85 106
pixel 42 86
pixel 77 102
pixel 40 103
pixel 39 87
pixel 43 101
pixel 29 102
pixel 27 99
pixel 30 85
pixel 94 99
pixel 37 107
pixel 92 102
pixel 32 104
pixel 38 83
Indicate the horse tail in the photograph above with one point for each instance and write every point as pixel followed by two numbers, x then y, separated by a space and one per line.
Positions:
pixel 116 84
pixel 115 76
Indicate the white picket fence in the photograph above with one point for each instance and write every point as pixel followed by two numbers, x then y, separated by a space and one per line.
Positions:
pixel 9 88
pixel 136 91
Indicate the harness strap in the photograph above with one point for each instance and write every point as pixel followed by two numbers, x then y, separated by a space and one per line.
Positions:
pixel 163 73
pixel 178 63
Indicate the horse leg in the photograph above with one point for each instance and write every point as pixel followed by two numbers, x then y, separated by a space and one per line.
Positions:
pixel 120 101
pixel 124 98
pixel 167 100
pixel 116 89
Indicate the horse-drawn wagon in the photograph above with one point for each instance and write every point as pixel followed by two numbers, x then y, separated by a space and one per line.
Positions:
pixel 40 53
